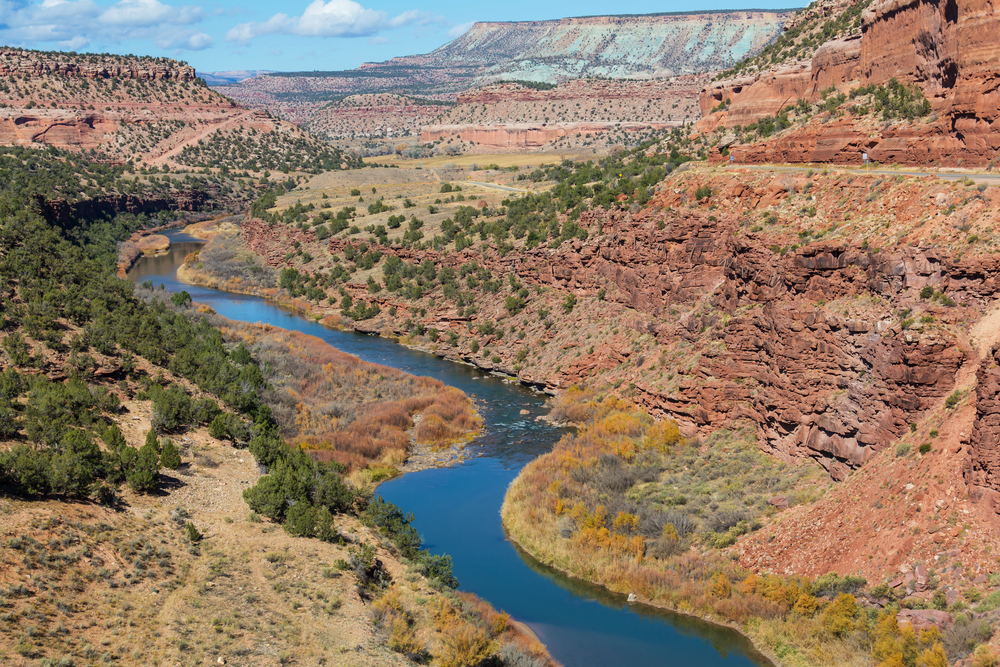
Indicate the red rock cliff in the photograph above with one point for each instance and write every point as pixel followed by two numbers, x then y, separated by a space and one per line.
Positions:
pixel 948 48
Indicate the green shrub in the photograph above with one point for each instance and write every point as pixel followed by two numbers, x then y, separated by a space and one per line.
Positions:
pixel 169 456
pixel 300 519
pixel 143 469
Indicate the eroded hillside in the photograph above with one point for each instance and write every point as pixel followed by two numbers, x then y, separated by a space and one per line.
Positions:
pixel 583 112
pixel 148 111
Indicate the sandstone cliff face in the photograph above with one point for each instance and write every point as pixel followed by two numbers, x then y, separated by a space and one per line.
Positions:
pixel 982 470
pixel 753 98
pixel 61 212
pixel 65 129
pixel 947 48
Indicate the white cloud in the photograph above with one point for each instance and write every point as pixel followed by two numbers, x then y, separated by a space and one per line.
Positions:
pixel 199 41
pixel 75 43
pixel 334 18
pixel 376 41
pixel 416 17
pixel 461 29
pixel 72 24
pixel 148 13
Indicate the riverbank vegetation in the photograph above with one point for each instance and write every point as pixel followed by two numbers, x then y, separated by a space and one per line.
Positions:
pixel 628 503
pixel 343 409
pixel 223 263
pixel 332 259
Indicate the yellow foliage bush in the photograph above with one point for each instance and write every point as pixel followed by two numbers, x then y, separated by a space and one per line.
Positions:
pixel 720 586
pixel 838 619
pixel 463 645
pixel 933 657
pixel 749 585
pixel 626 522
pixel 806 605
pixel 402 637
pixel 984 656
pixel 663 435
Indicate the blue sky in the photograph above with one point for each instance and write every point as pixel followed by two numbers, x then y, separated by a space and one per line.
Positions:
pixel 286 36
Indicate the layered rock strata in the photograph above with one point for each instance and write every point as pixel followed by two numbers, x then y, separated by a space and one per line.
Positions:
pixel 948 49
pixel 89 66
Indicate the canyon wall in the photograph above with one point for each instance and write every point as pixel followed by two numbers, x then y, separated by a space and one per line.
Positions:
pixel 983 467
pixel 615 46
pixel 648 46
pixel 945 48
pixel 762 347
pixel 65 129
pixel 63 213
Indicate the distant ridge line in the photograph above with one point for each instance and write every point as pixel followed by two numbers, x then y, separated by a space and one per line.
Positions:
pixel 790 10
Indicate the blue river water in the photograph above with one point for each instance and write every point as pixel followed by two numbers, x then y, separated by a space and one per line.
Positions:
pixel 457 509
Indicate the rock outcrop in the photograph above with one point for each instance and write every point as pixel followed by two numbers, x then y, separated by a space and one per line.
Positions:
pixel 983 468
pixel 63 213
pixel 65 129
pixel 945 48
pixel 20 62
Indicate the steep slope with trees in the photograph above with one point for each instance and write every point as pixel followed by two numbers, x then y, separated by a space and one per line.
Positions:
pixel 116 398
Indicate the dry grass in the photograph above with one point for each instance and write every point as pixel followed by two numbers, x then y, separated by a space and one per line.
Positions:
pixel 94 585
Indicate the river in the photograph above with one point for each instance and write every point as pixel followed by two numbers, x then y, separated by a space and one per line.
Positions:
pixel 457 509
